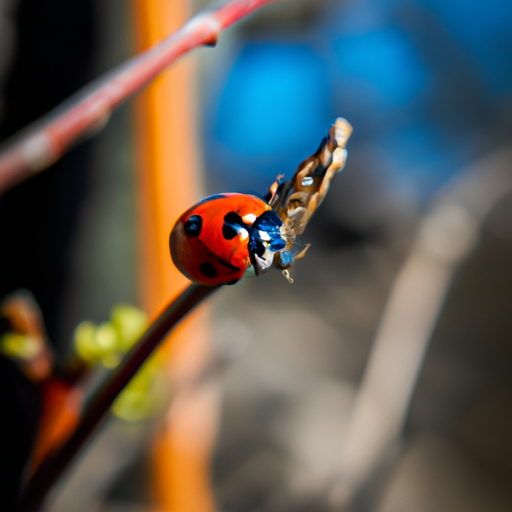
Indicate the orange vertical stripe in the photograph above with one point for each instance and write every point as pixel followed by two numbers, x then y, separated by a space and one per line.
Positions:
pixel 168 177
pixel 167 152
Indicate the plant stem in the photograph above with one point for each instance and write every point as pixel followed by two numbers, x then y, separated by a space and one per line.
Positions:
pixel 82 115
pixel 99 403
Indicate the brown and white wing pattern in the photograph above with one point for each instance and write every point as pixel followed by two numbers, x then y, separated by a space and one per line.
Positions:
pixel 296 200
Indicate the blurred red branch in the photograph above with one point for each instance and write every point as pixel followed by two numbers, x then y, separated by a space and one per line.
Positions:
pixel 83 114
pixel 100 402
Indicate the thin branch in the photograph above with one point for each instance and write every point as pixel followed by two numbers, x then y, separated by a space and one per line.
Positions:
pixel 82 115
pixel 98 405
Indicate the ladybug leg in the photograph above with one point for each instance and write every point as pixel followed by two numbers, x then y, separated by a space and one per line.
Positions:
pixel 286 274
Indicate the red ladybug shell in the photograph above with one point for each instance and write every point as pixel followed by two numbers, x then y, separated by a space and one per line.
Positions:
pixel 200 246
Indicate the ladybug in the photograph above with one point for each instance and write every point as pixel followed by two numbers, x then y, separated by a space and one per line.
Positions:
pixel 217 240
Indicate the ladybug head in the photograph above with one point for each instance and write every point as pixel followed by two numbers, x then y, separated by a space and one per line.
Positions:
pixel 219 238
pixel 265 239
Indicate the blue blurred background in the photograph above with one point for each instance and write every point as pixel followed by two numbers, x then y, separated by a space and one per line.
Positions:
pixel 427 85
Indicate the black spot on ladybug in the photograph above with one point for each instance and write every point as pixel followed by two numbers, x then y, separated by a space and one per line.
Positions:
pixel 234 218
pixel 208 270
pixel 194 225
pixel 232 221
pixel 228 232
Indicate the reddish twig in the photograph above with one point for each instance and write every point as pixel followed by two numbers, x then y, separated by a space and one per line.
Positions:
pixel 99 403
pixel 45 141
